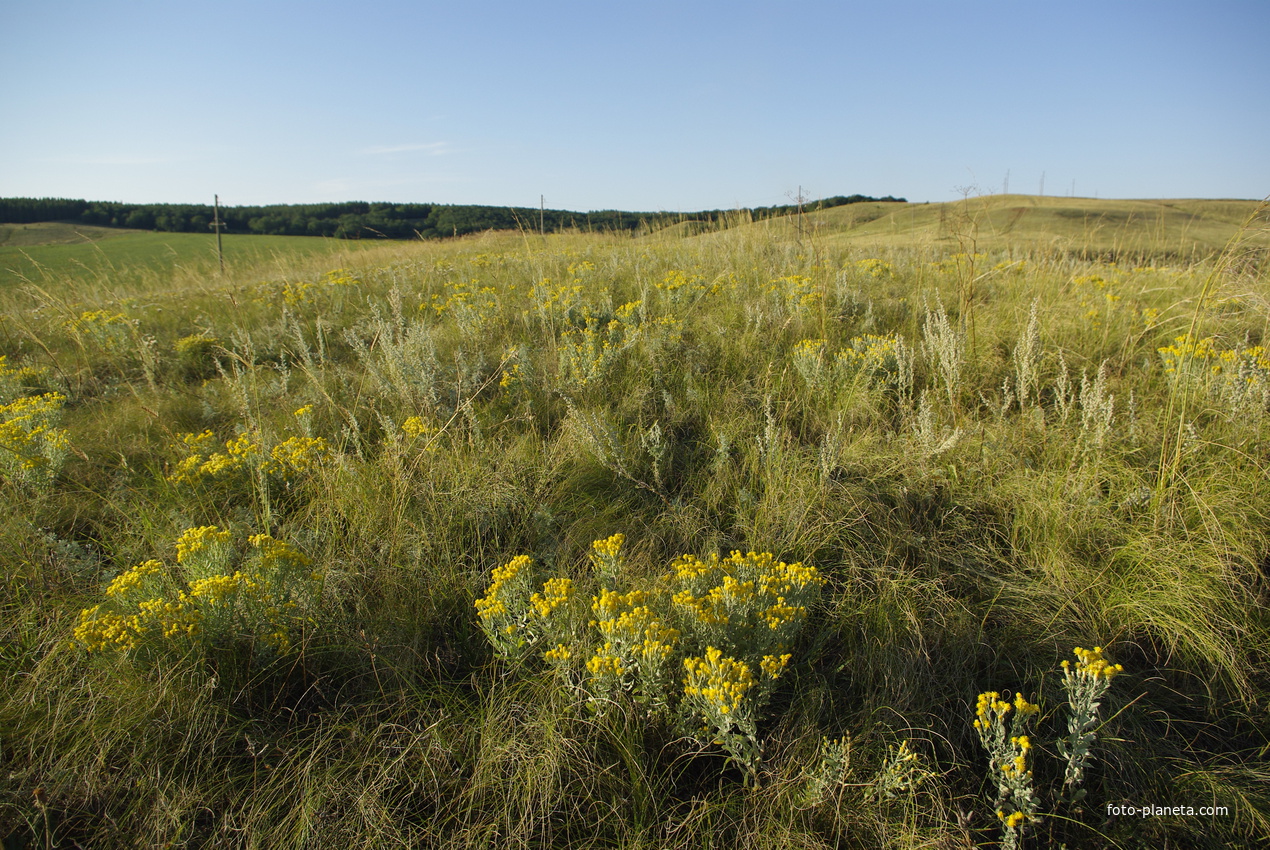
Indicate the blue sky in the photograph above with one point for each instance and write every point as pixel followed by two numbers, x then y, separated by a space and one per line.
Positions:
pixel 644 106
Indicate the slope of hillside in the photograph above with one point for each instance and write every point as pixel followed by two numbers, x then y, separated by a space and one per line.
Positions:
pixel 1087 225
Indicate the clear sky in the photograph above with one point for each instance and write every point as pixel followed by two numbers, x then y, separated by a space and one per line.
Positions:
pixel 631 105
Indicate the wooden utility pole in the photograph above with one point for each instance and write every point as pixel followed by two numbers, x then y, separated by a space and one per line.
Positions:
pixel 800 213
pixel 220 256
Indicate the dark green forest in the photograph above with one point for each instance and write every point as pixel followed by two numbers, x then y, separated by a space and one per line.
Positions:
pixel 362 220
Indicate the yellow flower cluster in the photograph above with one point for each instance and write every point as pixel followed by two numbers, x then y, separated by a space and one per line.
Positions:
pixel 628 311
pixel 467 294
pixel 875 358
pixel 958 263
pixel 808 356
pixel 742 612
pixel 870 355
pixel 773 665
pixel 240 453
pixel 1016 767
pixel 1186 349
pixel 1096 281
pixel 555 299
pixel 173 619
pixel 796 291
pixel 992 710
pixel 294 294
pixel 1011 820
pixel 99 630
pixel 875 268
pixel 341 277
pixel 123 625
pixel 605 664
pixel 14 382
pixel 274 552
pixel 1092 664
pixel 607 549
pixel 297 454
pixel 718 681
pixel 1238 378
pixel 559 654
pixel 293 456
pixel 258 600
pixel 195 540
pixel 677 282
pixel 809 348
pixel 196 345
pixel 745 591
pixel 586 354
pixel 31 448
pixel 633 633
pixel 555 593
pixel 513 376
pixel 130 580
pixel 415 428
pixel 513 574
pixel 110 331
pixel 32 408
pixel 220 587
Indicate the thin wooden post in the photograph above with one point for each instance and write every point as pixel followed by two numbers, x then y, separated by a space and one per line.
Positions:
pixel 800 200
pixel 220 255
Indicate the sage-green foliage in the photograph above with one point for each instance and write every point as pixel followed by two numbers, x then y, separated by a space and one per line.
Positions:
pixel 412 417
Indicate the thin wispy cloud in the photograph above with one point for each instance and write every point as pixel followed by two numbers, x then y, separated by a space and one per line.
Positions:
pixel 430 148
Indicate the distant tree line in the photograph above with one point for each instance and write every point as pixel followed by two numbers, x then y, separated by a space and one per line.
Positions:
pixel 361 220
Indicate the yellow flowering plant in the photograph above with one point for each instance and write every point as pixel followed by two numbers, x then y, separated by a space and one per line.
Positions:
pixel 211 598
pixel 1001 724
pixel 32 447
pixel 1086 683
pixel 518 620
pixel 1009 760
pixel 246 459
pixel 707 641
pixel 197 354
pixel 636 647
pixel 749 604
pixel 1237 378
pixel 102 329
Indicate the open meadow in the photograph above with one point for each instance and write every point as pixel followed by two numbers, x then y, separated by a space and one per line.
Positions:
pixel 891 525
pixel 51 252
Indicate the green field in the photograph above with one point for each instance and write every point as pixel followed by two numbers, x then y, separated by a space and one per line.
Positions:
pixel 324 551
pixel 52 252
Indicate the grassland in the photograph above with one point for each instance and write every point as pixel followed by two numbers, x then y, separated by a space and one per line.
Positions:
pixel 995 435
pixel 53 252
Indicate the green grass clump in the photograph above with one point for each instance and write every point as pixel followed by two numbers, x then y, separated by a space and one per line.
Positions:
pixel 320 551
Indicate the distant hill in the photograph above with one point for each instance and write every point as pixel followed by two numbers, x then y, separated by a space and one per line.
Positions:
pixel 1110 228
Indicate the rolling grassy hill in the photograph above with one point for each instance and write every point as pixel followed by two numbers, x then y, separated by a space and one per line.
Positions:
pixel 1187 228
